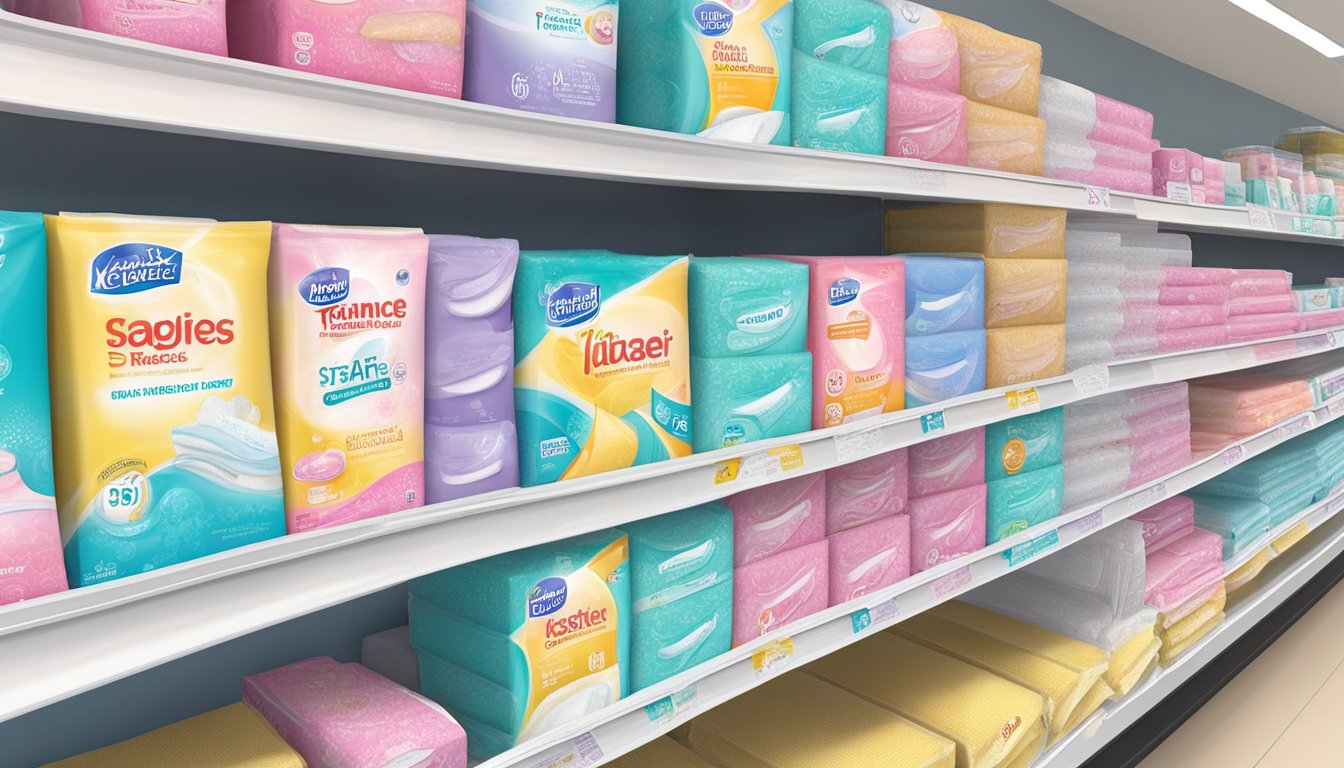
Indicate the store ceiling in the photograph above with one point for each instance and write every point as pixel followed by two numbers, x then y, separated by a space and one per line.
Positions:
pixel 1223 40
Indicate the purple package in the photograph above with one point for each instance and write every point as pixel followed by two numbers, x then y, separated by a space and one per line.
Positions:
pixel 465 461
pixel 778 517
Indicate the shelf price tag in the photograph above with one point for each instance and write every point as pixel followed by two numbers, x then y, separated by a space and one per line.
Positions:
pixel 1260 217
pixel 1092 380
pixel 858 445
pixel 932 422
pixel 1090 523
pixel 1030 549
pixel 1314 343
pixel 1295 427
pixel 1148 497
pixel 1025 400
pixel 949 584
pixel 674 708
pixel 581 752
pixel 762 464
pixel 926 179
pixel 1098 197
pixel 1234 455
pixel 884 611
pixel 1179 192
pixel 1335 408
pixel 773 658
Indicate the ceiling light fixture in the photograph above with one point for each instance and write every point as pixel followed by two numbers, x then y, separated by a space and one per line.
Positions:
pixel 1272 14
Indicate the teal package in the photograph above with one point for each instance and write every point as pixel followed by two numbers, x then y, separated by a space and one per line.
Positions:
pixel 841 49
pixel 1024 444
pixel 1022 501
pixel 747 306
pixel 745 399
pixel 25 407
pixel 681 567
pixel 720 70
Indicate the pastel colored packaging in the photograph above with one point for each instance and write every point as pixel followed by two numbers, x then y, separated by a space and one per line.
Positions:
pixel 856 337
pixel 31 564
pixel 947 463
pixel 868 558
pixel 1024 444
pixel 742 400
pixel 347 327
pixel 840 75
pixel 943 294
pixel 165 442
pixel 720 70
pixel 556 58
pixel 926 124
pixel 866 490
pixel 602 362
pixel 193 25
pixel 528 641
pixel 943 366
pixel 348 716
pixel 416 45
pixel 924 50
pixel 1024 500
pixel 946 526
pixel 778 517
pixel 747 306
pixel 779 590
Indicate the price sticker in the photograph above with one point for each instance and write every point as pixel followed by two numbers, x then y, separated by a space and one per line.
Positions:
pixel 773 658
pixel 932 422
pixel 927 180
pixel 769 463
pixel 857 445
pixel 1092 380
pixel 1179 192
pixel 1090 523
pixel 1295 427
pixel 1024 400
pixel 1260 217
pixel 951 583
pixel 1028 550
pixel 582 751
pixel 1147 497
pixel 1098 197
pixel 678 707
pixel 1234 455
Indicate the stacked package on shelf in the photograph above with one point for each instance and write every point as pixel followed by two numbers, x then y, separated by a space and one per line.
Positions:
pixel 1024 469
pixel 1224 409
pixel 1123 440
pixel 867 528
pixel 948 498
pixel 1277 179
pixel 944 327
pixel 1318 306
pixel 1165 522
pixel 1184 582
pixel 1024 275
pixel 781 560
pixel 840 63
pixel 1097 140
pixel 1261 305
pixel 926 113
pixel 749 358
pixel 1324 374
pixel 1322 150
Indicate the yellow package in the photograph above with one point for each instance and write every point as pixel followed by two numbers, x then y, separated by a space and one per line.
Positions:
pixel 1025 292
pixel 994 230
pixel 1290 537
pixel 660 753
pixel 996 67
pixel 165 432
pixel 1028 353
pixel 1003 140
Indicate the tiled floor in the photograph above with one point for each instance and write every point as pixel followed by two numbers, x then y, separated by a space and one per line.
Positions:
pixel 1283 711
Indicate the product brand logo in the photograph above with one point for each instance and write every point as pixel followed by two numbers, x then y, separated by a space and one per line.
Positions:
pixel 135 267
pixel 843 291
pixel 547 597
pixel 763 320
pixel 572 304
pixel 325 286
pixel 713 19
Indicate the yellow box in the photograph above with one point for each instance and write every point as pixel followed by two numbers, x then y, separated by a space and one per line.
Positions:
pixel 996 67
pixel 1004 140
pixel 994 230
pixel 1025 292
pixel 660 753
pixel 1026 353
pixel 1131 659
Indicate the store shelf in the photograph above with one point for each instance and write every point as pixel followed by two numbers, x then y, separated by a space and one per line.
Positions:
pixel 1315 515
pixel 169 613
pixel 60 72
pixel 1308 558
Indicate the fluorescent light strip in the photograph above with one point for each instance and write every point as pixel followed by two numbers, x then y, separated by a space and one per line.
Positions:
pixel 1272 14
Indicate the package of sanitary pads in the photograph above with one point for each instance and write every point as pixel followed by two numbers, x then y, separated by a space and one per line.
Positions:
pixel 866 490
pixel 193 25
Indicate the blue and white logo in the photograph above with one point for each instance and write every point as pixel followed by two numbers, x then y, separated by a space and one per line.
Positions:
pixel 548 596
pixel 713 19
pixel 843 291
pixel 572 304
pixel 135 267
pixel 326 286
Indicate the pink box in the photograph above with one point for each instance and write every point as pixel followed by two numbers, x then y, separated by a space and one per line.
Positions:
pixel 1178 166
pixel 1261 282
pixel 779 590
pixel 947 526
pixel 1215 174
pixel 926 124
pixel 1267 304
pixel 866 490
pixel 924 52
pixel 1252 327
pixel 947 463
pixel 1185 276
pixel 1184 568
pixel 1184 295
pixel 868 558
pixel 1173 318
pixel 415 45
pixel 198 25
pixel 1313 321
pixel 1166 522
pixel 1198 337
pixel 778 517
pixel 348 716
pixel 1119 136
pixel 1125 115
pixel 31 561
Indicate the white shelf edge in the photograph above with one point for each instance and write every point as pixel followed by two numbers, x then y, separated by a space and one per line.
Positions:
pixel 196 605
pixel 629 724
pixel 1315 513
pixel 48 70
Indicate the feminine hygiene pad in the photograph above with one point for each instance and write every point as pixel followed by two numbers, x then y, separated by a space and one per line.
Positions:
pixel 1024 444
pixel 389 653
pixel 194 25
pixel 348 313
pixel 521 643
pixel 681 571
pixel 30 539
pixel 165 442
pixel 779 590
pixel 799 721
pixel 840 61
pixel 718 70
pixel 778 517
pixel 923 49
pixel 747 306
pixel 863 560
pixel 926 124
pixel 416 45
pixel 1166 521
pixel 856 337
pixel 228 737
pixel 943 294
pixel 744 399
pixel 996 68
pixel 943 366
pixel 602 357
pixel 1022 501
pixel 993 230
pixel 348 716
pixel 1024 292
pixel 946 526
pixel 866 490
pixel 1002 140
pixel 1238 521
pixel 1027 353
pixel 559 59
pixel 947 463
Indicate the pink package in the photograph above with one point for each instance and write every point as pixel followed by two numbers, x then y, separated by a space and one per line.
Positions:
pixel 1157 455
pixel 348 716
pixel 1313 321
pixel 196 25
pixel 947 463
pixel 923 52
pixel 947 526
pixel 1198 337
pixel 1125 115
pixel 778 517
pixel 1185 276
pixel 1267 304
pixel 1261 282
pixel 415 45
pixel 1197 191
pixel 31 561
pixel 1251 327
pixel 856 334
pixel 1215 175
pixel 1177 166
pixel 1171 318
pixel 1184 295
pixel 1183 569
pixel 926 124
pixel 1119 136
pixel 866 490
pixel 779 590
pixel 868 558
pixel 1166 522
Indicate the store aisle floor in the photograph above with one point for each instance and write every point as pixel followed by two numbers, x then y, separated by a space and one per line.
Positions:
pixel 1277 712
